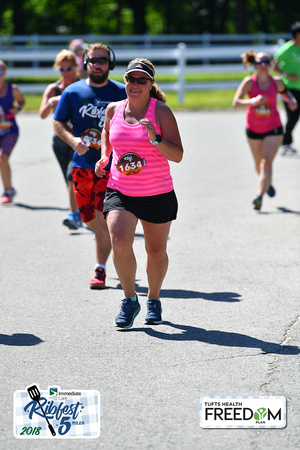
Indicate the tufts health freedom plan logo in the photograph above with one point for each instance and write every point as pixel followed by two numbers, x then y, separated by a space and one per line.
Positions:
pixel 242 412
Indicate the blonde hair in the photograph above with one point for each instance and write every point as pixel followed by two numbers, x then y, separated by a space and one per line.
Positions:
pixel 249 58
pixel 155 92
pixel 65 55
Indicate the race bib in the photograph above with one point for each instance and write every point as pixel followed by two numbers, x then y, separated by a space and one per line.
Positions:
pixel 5 124
pixel 130 163
pixel 92 138
pixel 262 111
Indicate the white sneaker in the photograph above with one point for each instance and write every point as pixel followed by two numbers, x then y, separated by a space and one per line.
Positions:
pixel 287 150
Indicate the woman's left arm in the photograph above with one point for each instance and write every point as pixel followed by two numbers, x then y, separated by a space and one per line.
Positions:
pixel 285 94
pixel 18 97
pixel 170 146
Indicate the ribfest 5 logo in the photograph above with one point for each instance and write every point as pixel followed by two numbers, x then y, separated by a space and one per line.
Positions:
pixel 56 413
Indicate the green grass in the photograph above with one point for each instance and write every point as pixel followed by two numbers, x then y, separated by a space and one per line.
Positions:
pixel 33 102
pixel 202 99
pixel 160 79
pixel 192 100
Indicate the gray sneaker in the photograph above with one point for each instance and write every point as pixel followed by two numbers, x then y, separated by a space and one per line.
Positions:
pixel 287 150
pixel 154 311
pixel 257 202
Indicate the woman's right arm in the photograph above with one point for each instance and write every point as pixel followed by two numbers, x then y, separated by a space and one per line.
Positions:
pixel 49 101
pixel 244 89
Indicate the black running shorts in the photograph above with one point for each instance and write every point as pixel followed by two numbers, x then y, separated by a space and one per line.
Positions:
pixel 160 208
pixel 275 132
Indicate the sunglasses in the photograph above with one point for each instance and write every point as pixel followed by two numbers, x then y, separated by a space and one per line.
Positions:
pixel 263 61
pixel 102 60
pixel 132 80
pixel 67 69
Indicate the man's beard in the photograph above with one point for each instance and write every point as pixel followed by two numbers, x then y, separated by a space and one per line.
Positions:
pixel 99 78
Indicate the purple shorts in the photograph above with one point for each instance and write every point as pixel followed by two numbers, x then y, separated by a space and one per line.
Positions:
pixel 7 143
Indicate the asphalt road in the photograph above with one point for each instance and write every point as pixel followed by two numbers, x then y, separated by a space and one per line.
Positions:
pixel 230 299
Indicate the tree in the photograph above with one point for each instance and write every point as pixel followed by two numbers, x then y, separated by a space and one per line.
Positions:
pixel 80 17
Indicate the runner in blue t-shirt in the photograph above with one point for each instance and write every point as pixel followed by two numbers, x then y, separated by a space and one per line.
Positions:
pixel 84 104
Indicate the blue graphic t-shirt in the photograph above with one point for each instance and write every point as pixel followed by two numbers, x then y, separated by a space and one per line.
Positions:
pixel 85 107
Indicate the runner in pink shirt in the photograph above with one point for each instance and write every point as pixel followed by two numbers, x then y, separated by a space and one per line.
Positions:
pixel 143 135
pixel 263 125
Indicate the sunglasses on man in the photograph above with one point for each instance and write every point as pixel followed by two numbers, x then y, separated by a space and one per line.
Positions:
pixel 102 60
pixel 140 80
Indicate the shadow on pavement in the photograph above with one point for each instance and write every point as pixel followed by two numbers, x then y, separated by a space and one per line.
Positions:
pixel 216 337
pixel 38 208
pixel 183 293
pixel 286 210
pixel 20 339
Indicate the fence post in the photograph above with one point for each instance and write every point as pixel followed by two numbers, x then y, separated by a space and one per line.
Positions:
pixel 181 64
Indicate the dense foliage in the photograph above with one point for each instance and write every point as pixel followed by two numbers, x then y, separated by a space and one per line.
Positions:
pixel 146 16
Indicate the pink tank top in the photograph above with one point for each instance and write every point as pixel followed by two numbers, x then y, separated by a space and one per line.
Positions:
pixel 265 117
pixel 138 168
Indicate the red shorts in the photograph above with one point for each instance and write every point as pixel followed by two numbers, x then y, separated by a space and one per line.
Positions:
pixel 89 192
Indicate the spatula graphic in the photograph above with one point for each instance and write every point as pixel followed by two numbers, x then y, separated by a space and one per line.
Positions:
pixel 35 395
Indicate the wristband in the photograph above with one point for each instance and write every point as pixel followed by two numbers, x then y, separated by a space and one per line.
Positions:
pixel 19 107
pixel 50 101
pixel 158 139
pixel 253 100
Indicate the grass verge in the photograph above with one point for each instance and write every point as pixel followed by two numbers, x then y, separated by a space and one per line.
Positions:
pixel 192 100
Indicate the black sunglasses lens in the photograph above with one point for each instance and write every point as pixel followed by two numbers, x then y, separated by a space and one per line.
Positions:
pixel 264 61
pixel 138 80
pixel 101 60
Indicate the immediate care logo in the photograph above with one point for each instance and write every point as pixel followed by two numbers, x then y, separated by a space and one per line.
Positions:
pixel 242 412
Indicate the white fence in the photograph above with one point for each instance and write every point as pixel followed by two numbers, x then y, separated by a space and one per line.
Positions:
pixel 197 54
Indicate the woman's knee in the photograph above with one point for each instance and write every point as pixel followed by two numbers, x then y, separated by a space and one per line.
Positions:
pixel 3 159
pixel 266 164
pixel 156 252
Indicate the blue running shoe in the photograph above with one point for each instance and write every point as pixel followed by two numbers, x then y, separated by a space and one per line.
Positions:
pixel 271 191
pixel 128 312
pixel 154 311
pixel 78 219
pixel 70 221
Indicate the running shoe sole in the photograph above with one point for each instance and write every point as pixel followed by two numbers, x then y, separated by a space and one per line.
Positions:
pixel 68 223
pixel 97 286
pixel 152 322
